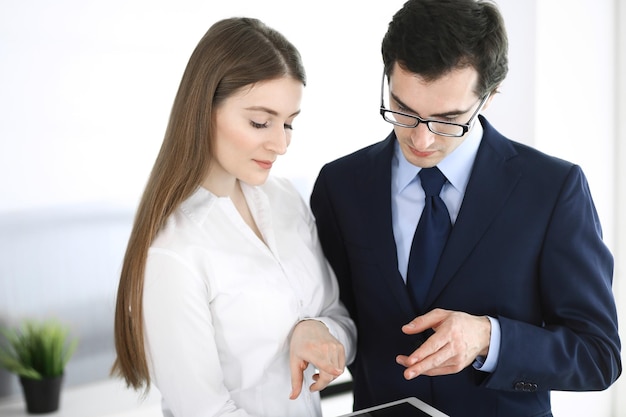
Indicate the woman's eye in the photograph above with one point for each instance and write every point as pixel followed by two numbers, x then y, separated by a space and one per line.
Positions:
pixel 258 125
pixel 288 126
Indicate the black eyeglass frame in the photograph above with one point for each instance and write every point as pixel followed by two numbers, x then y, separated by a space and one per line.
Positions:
pixel 465 126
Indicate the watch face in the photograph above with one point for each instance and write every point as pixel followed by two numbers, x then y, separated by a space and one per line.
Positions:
pixel 409 407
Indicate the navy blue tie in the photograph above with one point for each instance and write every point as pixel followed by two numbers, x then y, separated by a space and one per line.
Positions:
pixel 430 237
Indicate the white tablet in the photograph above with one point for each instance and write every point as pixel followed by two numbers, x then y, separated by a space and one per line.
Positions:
pixel 408 407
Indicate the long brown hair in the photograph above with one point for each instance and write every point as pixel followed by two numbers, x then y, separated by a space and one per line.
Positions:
pixel 234 53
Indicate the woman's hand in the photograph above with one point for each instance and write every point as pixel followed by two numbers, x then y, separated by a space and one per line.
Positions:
pixel 311 342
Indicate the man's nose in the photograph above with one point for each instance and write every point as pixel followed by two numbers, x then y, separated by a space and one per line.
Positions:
pixel 421 137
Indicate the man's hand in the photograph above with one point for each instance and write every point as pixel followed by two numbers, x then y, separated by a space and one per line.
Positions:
pixel 458 339
pixel 311 342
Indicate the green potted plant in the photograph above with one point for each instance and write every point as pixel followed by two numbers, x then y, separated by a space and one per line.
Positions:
pixel 37 352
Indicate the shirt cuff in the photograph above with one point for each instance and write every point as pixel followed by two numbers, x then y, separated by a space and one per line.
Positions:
pixel 489 363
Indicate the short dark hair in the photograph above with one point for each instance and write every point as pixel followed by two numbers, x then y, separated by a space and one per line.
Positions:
pixel 433 37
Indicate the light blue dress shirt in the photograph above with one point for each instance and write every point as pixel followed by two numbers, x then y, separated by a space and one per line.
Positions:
pixel 407 203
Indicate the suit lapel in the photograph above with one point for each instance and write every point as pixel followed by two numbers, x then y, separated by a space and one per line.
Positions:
pixel 376 186
pixel 493 179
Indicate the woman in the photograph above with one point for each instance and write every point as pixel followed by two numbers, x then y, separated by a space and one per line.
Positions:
pixel 225 301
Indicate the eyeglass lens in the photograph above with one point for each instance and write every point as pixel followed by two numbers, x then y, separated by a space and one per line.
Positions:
pixel 435 127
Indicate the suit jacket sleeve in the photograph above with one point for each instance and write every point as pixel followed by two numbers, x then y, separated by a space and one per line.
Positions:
pixel 577 346
pixel 332 242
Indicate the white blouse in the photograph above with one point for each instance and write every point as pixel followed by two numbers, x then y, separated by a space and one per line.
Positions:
pixel 219 304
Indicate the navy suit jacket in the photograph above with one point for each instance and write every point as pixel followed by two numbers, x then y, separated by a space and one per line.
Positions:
pixel 526 249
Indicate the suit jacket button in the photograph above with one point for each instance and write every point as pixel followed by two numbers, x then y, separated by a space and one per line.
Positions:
pixel 519 386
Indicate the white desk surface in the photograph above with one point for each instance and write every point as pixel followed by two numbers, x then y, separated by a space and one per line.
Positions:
pixel 108 398
pixel 111 398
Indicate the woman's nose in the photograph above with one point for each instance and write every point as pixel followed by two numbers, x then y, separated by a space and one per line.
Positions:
pixel 279 141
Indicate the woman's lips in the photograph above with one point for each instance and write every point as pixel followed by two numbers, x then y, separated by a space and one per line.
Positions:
pixel 264 164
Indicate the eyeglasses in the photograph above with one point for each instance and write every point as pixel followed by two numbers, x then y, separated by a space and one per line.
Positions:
pixel 438 127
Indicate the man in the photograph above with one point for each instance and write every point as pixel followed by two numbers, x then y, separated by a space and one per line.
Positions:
pixel 484 311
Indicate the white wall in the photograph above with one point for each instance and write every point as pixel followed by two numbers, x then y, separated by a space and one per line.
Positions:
pixel 86 87
pixel 575 89
pixel 619 399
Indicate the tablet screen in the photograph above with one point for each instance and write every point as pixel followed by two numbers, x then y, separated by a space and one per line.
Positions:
pixel 397 410
pixel 408 407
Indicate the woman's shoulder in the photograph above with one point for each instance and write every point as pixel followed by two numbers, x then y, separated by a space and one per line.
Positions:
pixel 183 225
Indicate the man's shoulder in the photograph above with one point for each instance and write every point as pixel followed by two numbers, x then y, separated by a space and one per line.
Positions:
pixel 540 160
pixel 521 153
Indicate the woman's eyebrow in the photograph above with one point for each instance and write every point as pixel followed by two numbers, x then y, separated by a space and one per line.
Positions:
pixel 269 111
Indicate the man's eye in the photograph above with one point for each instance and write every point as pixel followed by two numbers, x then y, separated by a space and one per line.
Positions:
pixel 402 109
pixel 258 125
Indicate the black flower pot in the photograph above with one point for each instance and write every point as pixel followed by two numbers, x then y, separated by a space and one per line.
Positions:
pixel 42 395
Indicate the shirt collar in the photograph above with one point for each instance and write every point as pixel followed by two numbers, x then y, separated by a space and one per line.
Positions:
pixel 457 166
